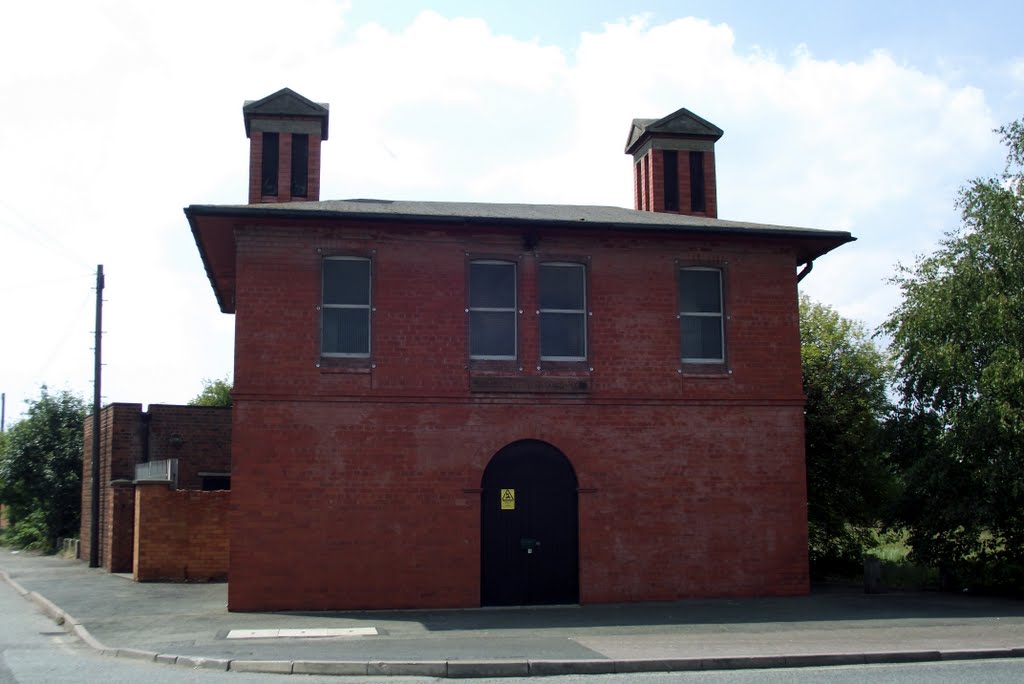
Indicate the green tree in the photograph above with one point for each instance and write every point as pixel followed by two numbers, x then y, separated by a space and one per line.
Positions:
pixel 215 393
pixel 958 336
pixel 849 483
pixel 41 466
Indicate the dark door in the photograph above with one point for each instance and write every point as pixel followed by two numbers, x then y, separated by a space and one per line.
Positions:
pixel 529 527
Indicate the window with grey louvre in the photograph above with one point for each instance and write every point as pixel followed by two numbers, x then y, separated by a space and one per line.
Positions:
pixel 701 323
pixel 492 310
pixel 345 311
pixel 268 178
pixel 561 291
pixel 300 164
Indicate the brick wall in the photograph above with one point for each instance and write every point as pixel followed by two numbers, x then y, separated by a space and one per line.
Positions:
pixel 180 534
pixel 120 449
pixel 198 436
pixel 692 479
pixel 284 167
pixel 649 184
pixel 119 527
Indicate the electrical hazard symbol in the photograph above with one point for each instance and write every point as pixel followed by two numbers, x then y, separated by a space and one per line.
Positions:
pixel 508 499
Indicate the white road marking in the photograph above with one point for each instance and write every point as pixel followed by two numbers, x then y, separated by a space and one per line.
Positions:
pixel 301 633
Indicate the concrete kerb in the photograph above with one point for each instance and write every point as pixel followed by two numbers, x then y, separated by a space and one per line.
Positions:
pixel 456 669
pixel 22 591
pixel 265 666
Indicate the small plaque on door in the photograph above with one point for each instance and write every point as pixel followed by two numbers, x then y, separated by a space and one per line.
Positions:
pixel 508 499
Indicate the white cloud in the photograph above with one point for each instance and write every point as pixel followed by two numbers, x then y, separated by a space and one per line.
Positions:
pixel 118 114
pixel 1017 70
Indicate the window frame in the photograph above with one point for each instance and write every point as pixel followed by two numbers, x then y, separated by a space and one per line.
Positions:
pixel 584 312
pixel 370 309
pixel 721 314
pixel 470 309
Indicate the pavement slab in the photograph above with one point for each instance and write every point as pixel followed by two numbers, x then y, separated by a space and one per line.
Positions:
pixel 189 624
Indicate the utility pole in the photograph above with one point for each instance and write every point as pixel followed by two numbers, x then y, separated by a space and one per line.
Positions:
pixel 94 522
pixel 3 409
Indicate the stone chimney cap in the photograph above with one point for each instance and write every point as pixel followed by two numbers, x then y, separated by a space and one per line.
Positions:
pixel 286 102
pixel 679 124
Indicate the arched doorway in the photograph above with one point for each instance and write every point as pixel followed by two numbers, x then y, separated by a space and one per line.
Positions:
pixel 529 535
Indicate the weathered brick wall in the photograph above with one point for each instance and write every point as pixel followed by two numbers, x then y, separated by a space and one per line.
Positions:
pixel 180 534
pixel 649 187
pixel 119 528
pixel 120 449
pixel 198 436
pixel 693 481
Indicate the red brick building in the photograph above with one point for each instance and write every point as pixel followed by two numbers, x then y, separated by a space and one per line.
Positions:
pixel 453 404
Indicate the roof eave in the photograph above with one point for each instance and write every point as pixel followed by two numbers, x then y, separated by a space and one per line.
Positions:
pixel 200 240
pixel 814 244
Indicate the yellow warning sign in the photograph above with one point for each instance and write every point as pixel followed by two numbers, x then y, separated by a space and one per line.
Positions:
pixel 508 499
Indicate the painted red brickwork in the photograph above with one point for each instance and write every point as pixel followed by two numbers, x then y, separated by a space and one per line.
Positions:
pixel 356 482
pixel 180 534
pixel 199 437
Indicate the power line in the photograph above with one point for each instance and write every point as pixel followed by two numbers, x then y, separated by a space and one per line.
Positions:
pixel 71 327
pixel 24 285
pixel 40 236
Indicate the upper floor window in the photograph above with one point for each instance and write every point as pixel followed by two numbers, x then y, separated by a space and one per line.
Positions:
pixel 701 322
pixel 345 314
pixel 561 293
pixel 492 310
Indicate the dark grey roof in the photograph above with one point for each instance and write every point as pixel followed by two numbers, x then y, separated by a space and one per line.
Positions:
pixel 681 123
pixel 479 212
pixel 286 102
pixel 214 226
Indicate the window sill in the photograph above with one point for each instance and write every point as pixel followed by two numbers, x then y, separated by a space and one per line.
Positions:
pixel 331 364
pixel 569 367
pixel 495 383
pixel 707 371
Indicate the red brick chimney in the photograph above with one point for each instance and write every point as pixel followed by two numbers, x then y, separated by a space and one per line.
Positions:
pixel 285 131
pixel 674 164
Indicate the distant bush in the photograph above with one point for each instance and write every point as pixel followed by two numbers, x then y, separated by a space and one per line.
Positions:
pixel 30 532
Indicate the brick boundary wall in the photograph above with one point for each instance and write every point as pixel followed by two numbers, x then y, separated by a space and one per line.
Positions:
pixel 198 436
pixel 118 523
pixel 180 535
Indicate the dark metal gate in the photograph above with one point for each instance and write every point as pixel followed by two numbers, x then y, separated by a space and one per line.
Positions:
pixel 529 527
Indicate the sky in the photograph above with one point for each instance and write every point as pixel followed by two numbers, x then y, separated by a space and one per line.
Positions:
pixel 115 115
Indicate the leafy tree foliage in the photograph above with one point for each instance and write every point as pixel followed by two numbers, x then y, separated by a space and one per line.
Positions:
pixel 958 337
pixel 215 393
pixel 41 465
pixel 849 484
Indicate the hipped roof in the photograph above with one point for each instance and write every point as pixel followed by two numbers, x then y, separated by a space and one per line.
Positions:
pixel 213 226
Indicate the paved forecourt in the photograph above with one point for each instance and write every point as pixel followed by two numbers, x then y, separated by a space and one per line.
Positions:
pixel 189 624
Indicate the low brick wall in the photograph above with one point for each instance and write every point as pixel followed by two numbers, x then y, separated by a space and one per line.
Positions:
pixel 180 535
